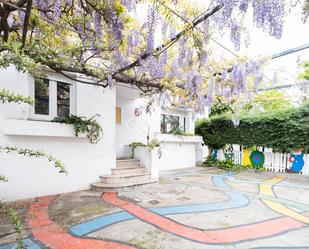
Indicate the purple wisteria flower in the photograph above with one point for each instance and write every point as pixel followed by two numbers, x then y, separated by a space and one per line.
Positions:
pixel 41 4
pixel 98 29
pixel 57 9
pixel 109 81
pixel 235 34
pixel 151 25
pixel 130 4
pixel 10 20
pixel 136 37
pixel 21 16
pixel 269 15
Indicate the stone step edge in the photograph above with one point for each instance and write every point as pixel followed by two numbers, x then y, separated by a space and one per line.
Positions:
pixel 130 167
pixel 125 175
pixel 117 185
pixel 126 160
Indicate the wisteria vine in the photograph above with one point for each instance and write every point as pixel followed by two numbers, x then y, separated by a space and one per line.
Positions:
pixel 107 41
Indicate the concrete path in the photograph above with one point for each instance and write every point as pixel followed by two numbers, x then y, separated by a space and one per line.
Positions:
pixel 192 208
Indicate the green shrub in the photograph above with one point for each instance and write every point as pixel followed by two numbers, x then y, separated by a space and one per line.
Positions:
pixel 83 125
pixel 228 165
pixel 282 130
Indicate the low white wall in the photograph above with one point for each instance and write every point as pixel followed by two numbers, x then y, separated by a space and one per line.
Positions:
pixel 85 162
pixel 177 152
pixel 177 156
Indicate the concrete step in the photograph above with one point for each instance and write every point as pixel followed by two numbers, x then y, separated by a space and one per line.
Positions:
pixel 127 163
pixel 116 187
pixel 125 178
pixel 128 170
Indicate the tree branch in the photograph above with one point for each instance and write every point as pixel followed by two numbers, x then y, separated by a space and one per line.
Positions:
pixel 26 22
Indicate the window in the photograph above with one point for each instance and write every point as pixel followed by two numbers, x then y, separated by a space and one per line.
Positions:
pixel 170 124
pixel 52 98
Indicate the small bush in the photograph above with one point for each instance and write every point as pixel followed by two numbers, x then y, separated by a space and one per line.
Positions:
pixel 228 165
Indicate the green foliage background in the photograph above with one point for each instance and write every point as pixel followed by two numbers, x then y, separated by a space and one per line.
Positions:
pixel 282 130
pixel 270 100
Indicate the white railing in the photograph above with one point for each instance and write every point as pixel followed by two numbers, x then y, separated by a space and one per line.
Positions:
pixel 276 162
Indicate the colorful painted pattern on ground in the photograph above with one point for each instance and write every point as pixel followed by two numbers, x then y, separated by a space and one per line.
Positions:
pixel 278 207
pixel 235 201
pixel 221 236
pixel 53 236
pixel 46 233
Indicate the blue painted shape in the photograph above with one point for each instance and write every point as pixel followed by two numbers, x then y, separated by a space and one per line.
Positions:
pixel 298 163
pixel 235 200
pixel 100 222
pixel 28 243
pixel 214 154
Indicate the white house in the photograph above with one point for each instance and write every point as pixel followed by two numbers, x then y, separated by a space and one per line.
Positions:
pixel 27 126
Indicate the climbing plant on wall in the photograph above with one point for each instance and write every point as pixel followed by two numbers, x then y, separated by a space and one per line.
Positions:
pixel 282 130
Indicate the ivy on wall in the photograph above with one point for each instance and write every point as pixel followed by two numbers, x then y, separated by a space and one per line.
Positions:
pixel 83 125
pixel 282 130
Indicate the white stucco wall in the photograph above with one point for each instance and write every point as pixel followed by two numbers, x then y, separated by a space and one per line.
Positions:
pixel 133 128
pixel 85 162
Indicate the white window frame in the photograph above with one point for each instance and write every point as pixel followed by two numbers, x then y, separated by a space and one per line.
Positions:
pixel 53 98
pixel 179 114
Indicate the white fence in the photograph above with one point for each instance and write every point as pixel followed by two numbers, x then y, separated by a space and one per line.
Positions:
pixel 277 162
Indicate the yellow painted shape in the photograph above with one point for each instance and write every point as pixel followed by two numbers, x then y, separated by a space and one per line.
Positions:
pixel 246 159
pixel 266 189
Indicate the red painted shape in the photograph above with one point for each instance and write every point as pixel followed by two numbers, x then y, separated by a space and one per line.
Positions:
pixel 55 237
pixel 226 235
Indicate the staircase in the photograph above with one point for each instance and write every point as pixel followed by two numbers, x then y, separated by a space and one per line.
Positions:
pixel 128 174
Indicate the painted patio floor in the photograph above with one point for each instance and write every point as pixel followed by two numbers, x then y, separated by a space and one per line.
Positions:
pixel 197 208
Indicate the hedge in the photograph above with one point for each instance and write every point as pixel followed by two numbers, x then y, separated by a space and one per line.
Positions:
pixel 282 130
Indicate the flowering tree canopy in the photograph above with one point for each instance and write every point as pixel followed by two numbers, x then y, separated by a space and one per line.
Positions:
pixel 105 40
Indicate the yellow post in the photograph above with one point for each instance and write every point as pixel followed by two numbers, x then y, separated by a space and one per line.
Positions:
pixel 246 159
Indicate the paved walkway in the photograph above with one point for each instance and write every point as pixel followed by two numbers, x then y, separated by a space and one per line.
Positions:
pixel 194 208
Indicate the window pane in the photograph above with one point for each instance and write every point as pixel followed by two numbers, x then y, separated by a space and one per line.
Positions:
pixel 41 97
pixel 63 99
pixel 173 122
pixel 163 124
pixel 169 124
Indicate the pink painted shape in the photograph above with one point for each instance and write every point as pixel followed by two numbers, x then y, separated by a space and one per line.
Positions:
pixel 52 235
pixel 226 235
